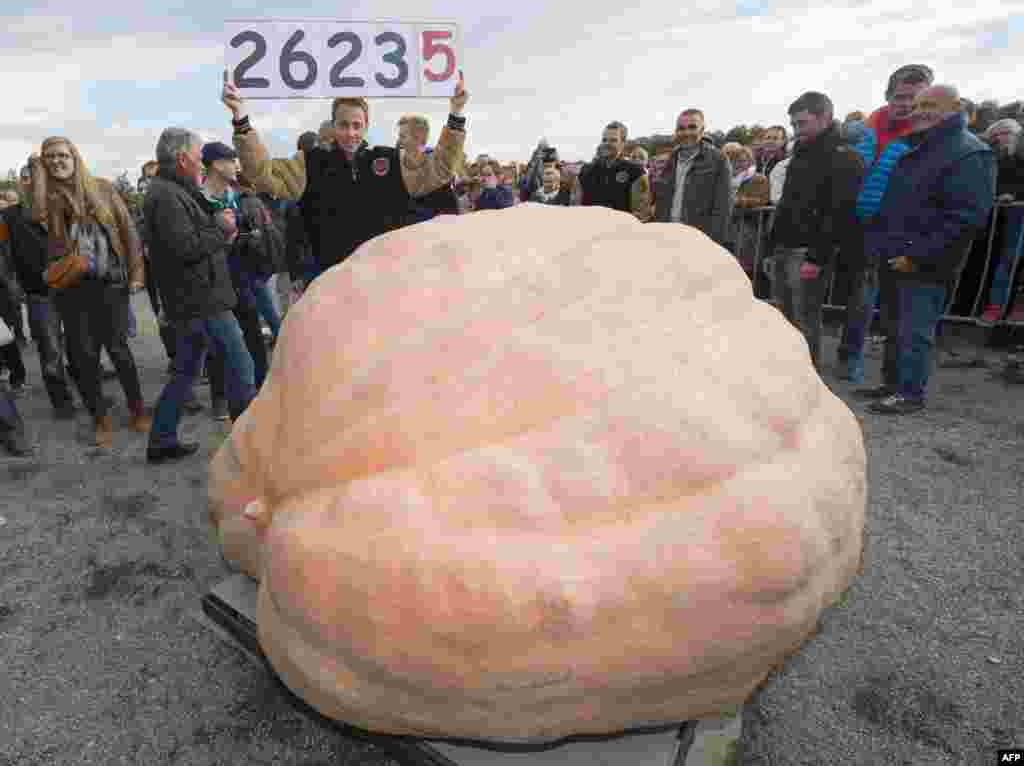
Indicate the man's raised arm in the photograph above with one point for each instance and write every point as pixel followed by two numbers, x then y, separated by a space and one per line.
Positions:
pixel 448 155
pixel 281 178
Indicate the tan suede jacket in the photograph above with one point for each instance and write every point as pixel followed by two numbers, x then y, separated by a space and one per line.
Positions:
pixel 286 178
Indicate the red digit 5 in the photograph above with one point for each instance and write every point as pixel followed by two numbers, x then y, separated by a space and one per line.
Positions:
pixel 431 49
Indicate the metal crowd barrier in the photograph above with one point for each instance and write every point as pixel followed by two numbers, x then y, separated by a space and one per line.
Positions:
pixel 763 218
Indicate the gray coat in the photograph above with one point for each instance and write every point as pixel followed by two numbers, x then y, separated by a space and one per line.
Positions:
pixel 707 197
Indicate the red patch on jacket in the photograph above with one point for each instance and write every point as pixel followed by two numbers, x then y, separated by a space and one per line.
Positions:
pixel 381 166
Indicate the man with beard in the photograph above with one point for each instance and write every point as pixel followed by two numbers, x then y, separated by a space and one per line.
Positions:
pixel 695 185
pixel 613 181
pixel 814 216
pixel 354 192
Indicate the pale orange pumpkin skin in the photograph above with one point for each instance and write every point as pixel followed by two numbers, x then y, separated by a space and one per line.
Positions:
pixel 537 472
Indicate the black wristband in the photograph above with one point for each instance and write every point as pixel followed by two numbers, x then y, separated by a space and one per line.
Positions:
pixel 455 122
pixel 242 125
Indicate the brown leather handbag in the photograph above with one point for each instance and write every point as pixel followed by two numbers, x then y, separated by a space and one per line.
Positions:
pixel 67 272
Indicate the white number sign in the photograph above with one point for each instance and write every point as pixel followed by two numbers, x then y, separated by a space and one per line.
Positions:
pixel 307 58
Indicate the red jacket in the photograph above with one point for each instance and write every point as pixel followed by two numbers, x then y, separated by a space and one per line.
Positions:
pixel 886 130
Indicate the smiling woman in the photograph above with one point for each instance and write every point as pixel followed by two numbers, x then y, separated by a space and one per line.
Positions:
pixel 95 259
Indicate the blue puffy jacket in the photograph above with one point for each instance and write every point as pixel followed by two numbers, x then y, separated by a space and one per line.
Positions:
pixel 876 179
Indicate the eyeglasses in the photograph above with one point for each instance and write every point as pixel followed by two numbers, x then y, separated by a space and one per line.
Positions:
pixel 53 156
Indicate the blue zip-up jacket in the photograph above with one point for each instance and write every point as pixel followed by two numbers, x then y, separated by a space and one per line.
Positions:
pixel 939 197
pixel 876 179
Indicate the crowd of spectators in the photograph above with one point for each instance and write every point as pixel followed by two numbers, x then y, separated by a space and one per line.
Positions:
pixel 226 238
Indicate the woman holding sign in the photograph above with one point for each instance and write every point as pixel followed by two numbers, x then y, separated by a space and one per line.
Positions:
pixel 353 192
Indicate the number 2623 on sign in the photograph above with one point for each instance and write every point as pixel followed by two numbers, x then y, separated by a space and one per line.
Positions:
pixel 325 59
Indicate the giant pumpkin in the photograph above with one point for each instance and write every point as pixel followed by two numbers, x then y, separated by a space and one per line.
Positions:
pixel 537 472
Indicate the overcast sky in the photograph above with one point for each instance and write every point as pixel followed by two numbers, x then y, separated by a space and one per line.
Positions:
pixel 110 75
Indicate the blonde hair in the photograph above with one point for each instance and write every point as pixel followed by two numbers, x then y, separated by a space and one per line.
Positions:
pixel 417 122
pixel 80 194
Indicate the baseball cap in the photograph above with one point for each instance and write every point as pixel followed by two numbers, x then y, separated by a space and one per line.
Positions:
pixel 217 151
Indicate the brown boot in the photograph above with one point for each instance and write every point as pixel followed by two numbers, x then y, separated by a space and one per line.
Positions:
pixel 104 431
pixel 139 422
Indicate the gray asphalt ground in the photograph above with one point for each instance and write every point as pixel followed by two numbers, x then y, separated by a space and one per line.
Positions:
pixel 104 560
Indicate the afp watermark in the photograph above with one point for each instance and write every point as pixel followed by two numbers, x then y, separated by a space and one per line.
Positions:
pixel 1014 755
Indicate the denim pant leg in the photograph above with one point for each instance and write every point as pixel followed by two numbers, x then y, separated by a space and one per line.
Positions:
pixel 802 299
pixel 918 310
pixel 1013 237
pixel 860 312
pixel 813 303
pixel 239 375
pixel 787 283
pixel 265 306
pixel 44 324
pixel 192 343
pixel 252 337
pixel 11 423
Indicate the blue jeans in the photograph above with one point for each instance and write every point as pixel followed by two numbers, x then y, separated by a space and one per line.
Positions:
pixel 264 303
pixel 859 315
pixel 1002 261
pixel 194 338
pixel 917 310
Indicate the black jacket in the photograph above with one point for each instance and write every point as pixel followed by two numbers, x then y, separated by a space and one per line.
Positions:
pixel 817 206
pixel 27 241
pixel 297 246
pixel 187 250
pixel 347 203
pixel 608 184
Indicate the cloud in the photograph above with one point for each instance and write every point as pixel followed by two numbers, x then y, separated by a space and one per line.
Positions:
pixel 112 79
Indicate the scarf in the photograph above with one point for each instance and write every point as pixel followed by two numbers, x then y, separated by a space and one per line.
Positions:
pixel 738 180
